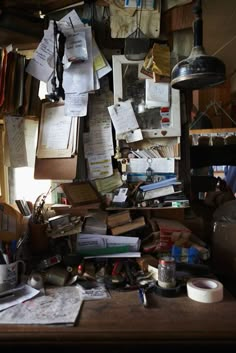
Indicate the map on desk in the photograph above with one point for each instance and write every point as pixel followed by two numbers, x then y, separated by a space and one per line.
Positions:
pixel 59 305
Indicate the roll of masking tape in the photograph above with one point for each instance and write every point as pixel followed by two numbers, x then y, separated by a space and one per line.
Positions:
pixel 205 290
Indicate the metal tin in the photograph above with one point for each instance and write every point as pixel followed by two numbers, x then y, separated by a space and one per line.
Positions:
pixel 57 276
pixel 166 272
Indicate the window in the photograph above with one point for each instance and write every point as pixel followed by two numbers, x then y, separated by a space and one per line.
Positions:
pixel 22 185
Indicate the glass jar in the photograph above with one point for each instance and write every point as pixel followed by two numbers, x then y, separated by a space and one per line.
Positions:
pixel 166 272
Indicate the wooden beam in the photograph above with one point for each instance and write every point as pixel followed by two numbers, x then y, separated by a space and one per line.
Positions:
pixel 177 18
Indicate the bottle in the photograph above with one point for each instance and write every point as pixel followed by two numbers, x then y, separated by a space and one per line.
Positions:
pixel 166 272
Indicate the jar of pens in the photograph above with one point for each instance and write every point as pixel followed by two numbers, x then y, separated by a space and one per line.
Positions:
pixel 38 227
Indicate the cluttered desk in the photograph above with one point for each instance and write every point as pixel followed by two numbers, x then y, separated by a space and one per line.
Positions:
pixel 112 288
pixel 122 322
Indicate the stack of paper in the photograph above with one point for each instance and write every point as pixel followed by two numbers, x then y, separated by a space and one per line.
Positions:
pixel 57 133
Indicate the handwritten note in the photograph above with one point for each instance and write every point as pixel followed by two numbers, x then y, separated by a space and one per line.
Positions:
pixel 157 94
pixel 123 117
pixel 16 141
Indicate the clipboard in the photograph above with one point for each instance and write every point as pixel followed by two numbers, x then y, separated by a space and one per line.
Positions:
pixel 56 168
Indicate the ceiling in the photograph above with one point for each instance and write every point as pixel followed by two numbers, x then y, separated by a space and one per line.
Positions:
pixel 219 29
pixel 31 7
pixel 20 21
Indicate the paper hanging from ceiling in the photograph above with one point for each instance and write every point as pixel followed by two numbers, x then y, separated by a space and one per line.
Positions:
pixel 125 21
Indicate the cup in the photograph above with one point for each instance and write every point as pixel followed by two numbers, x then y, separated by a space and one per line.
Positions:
pixel 10 275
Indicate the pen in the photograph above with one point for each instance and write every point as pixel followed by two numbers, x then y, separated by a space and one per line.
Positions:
pixel 143 297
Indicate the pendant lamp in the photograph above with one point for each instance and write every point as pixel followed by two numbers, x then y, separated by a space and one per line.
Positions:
pixel 199 70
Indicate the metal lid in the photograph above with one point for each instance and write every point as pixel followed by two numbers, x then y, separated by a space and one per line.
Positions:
pixel 166 260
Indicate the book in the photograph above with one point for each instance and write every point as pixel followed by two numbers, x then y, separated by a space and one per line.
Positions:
pixel 23 207
pixel 118 219
pixel 95 222
pixel 124 228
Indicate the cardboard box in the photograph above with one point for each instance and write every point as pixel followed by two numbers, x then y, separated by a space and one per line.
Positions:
pixel 12 223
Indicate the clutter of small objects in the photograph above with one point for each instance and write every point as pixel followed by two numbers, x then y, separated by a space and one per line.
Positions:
pixel 113 251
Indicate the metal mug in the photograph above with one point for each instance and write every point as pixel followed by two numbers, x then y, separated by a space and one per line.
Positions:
pixel 9 275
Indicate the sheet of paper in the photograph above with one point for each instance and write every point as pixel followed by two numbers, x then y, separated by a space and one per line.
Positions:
pixel 98 292
pixel 124 21
pixel 101 64
pixel 76 104
pixel 98 59
pixel 72 17
pixel 41 64
pixel 158 165
pixel 104 70
pixel 100 166
pixel 133 136
pixel 31 133
pixel 56 129
pixel 123 117
pixel 121 196
pixel 15 128
pixel 157 94
pixel 109 184
pixel 60 305
pixel 76 47
pixel 79 77
pixel 99 139
pixel 24 293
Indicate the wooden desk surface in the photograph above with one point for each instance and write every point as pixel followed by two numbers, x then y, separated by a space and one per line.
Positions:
pixel 123 322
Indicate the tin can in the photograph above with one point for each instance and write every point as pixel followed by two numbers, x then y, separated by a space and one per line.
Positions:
pixel 57 276
pixel 166 272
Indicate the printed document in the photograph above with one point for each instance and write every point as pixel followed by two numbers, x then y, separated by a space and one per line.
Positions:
pixel 41 64
pixel 60 305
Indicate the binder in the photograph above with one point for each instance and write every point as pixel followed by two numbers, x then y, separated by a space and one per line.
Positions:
pixel 159 184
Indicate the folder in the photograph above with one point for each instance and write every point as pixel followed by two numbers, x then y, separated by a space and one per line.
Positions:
pixel 56 168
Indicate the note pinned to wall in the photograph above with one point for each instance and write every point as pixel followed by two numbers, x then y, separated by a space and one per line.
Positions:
pixel 123 117
pixel 15 127
pixel 41 64
pixel 157 94
pixel 100 166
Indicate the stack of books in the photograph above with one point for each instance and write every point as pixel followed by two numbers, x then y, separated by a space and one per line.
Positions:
pixel 121 222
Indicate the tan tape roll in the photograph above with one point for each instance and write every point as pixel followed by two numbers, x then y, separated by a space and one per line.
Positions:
pixel 205 290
